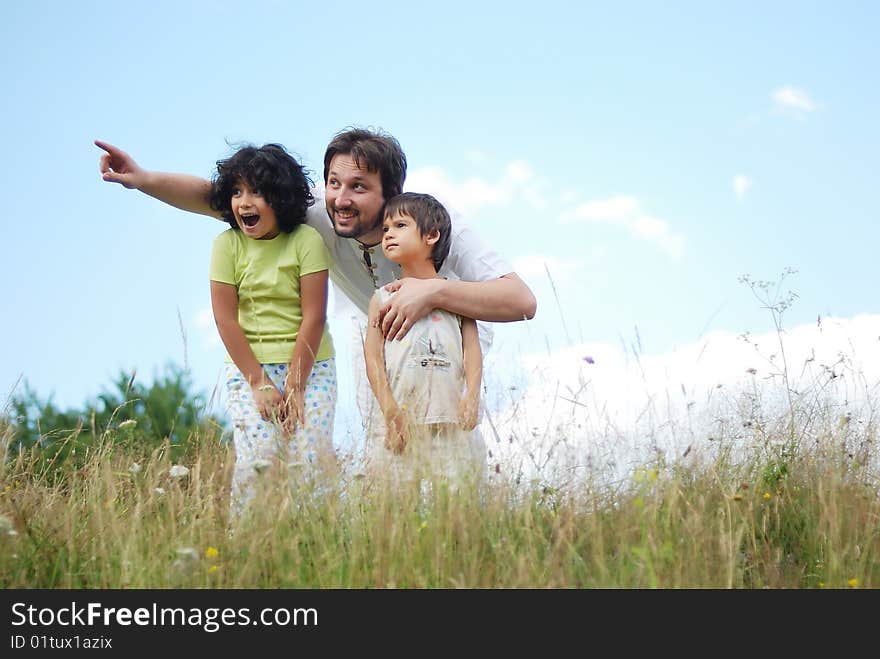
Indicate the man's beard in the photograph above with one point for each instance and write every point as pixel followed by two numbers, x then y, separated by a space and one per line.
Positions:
pixel 356 229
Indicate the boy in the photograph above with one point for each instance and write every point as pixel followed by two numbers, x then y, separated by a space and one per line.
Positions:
pixel 427 383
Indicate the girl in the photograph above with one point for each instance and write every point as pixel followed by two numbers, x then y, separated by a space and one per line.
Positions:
pixel 269 297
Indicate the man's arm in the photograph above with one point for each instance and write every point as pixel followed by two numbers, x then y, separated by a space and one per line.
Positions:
pixel 503 299
pixel 184 191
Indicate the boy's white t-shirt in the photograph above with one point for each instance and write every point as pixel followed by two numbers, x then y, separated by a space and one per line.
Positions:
pixel 426 368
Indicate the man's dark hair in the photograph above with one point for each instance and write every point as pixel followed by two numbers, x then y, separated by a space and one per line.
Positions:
pixel 430 215
pixel 272 171
pixel 373 150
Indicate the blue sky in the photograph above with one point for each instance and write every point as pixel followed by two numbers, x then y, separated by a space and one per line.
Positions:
pixel 644 155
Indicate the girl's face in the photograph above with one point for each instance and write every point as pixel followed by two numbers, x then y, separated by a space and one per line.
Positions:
pixel 254 216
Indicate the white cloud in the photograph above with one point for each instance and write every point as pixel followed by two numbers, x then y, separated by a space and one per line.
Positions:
pixel 516 183
pixel 793 100
pixel 599 401
pixel 626 211
pixel 658 232
pixel 518 171
pixel 741 185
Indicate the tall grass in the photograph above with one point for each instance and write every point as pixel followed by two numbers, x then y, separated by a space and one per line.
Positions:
pixel 767 491
pixel 748 522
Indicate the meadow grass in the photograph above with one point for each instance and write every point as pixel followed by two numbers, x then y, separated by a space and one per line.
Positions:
pixel 784 514
pixel 776 486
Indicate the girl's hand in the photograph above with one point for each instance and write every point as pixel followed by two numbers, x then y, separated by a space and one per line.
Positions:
pixel 293 410
pixel 268 400
pixel 468 410
pixel 118 167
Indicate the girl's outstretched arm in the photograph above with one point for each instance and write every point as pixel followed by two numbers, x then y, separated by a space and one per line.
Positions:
pixel 189 193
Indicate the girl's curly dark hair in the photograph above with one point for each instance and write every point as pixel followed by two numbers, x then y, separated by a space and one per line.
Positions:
pixel 281 180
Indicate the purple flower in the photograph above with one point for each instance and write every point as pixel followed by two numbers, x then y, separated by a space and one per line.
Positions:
pixel 589 360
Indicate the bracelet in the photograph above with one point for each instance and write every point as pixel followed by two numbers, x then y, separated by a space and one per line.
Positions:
pixel 265 387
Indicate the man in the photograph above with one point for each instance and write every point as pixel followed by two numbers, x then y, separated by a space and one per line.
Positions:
pixel 362 170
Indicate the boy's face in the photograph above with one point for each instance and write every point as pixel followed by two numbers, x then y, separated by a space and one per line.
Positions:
pixel 354 200
pixel 403 242
pixel 254 216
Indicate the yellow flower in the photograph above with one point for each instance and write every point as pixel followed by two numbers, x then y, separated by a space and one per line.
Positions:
pixel 211 552
pixel 423 525
pixel 853 583
pixel 821 584
pixel 213 569
pixel 766 496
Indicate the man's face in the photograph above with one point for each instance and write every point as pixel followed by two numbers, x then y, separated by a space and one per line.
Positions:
pixel 354 200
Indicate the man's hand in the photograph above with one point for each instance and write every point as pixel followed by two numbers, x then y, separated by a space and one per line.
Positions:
pixel 413 299
pixel 119 167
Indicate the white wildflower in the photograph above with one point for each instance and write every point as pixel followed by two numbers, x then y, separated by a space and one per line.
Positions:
pixel 7 527
pixel 188 554
pixel 178 471
pixel 187 560
pixel 135 468
pixel 261 465
pixel 160 491
pixel 129 423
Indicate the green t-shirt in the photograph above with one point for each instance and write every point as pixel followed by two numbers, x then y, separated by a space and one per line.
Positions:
pixel 266 274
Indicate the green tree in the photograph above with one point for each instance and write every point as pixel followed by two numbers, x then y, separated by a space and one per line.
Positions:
pixel 166 410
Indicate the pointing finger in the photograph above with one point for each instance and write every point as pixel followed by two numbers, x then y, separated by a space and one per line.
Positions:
pixel 109 148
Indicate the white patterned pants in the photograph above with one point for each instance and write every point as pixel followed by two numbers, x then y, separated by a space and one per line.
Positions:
pixel 260 443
